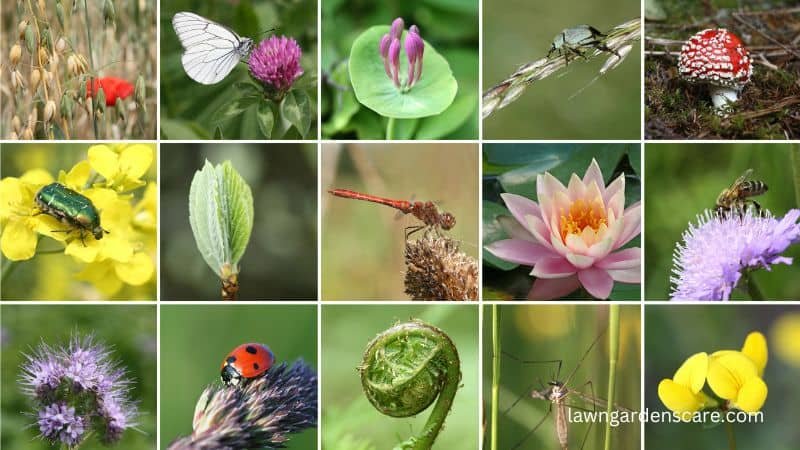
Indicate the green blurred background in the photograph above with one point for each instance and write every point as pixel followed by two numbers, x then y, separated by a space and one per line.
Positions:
pixel 513 168
pixel 516 32
pixel 51 276
pixel 684 179
pixel 281 259
pixel 350 421
pixel 450 26
pixel 565 332
pixel 673 333
pixel 187 107
pixel 130 330
pixel 195 339
pixel 362 243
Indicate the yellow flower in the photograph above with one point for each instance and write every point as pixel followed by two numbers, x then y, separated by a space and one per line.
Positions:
pixel 121 166
pixel 683 393
pixel 17 215
pixel 785 335
pixel 734 377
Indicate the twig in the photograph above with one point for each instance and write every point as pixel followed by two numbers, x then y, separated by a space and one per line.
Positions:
pixel 619 40
pixel 766 36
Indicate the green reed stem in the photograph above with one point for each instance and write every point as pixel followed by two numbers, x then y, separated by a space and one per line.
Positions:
pixel 91 61
pixel 795 152
pixel 495 374
pixel 613 354
pixel 731 436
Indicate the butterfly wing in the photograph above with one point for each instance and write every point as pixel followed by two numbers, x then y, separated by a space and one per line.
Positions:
pixel 211 51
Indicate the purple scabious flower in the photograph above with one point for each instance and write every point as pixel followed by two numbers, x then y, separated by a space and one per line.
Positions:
pixel 276 62
pixel 78 388
pixel 716 252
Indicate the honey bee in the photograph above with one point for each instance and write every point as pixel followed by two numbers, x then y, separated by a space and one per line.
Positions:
pixel 736 199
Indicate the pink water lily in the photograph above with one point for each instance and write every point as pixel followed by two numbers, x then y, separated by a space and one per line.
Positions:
pixel 572 235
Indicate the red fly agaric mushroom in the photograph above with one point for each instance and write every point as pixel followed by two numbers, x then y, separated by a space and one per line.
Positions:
pixel 717 58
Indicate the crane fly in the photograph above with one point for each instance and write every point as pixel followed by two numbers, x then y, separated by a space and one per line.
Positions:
pixel 556 394
pixel 427 212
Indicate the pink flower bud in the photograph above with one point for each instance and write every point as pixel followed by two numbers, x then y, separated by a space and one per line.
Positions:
pixel 394 60
pixel 384 49
pixel 397 28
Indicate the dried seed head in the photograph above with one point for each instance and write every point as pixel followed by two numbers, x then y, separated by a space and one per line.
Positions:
pixel 27 134
pixel 16 124
pixel 140 93
pixel 14 55
pixel 49 111
pixel 67 105
pixel 72 65
pixel 16 80
pixel 120 107
pixel 36 77
pixel 42 7
pixel 61 45
pixel 21 27
pixel 13 136
pixel 109 15
pixel 437 270
pixel 30 39
pixel 82 62
pixel 44 57
pixel 32 117
pixel 60 13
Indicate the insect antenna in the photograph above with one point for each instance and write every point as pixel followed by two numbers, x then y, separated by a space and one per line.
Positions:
pixel 265 32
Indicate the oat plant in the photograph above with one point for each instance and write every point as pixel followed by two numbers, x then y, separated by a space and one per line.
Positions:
pixel 614 45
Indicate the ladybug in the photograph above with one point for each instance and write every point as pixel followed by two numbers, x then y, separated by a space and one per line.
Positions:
pixel 246 362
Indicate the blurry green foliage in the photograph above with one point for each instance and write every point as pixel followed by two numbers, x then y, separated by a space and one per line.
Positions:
pixel 450 26
pixel 195 340
pixel 516 33
pixel 564 332
pixel 281 257
pixel 674 333
pixel 130 331
pixel 683 180
pixel 513 168
pixel 234 108
pixel 349 420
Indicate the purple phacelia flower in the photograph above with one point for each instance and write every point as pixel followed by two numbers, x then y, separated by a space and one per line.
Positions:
pixel 717 251
pixel 276 62
pixel 389 49
pixel 58 422
pixel 74 384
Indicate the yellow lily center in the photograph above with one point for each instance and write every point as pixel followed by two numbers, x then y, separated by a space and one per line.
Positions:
pixel 582 215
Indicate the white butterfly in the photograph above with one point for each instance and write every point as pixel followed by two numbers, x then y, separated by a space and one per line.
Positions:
pixel 211 50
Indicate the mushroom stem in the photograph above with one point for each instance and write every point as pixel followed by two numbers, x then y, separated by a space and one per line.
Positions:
pixel 723 97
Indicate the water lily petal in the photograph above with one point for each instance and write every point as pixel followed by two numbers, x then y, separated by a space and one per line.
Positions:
pixel 576 244
pixel 580 261
pixel 549 289
pixel 601 248
pixel 519 251
pixel 520 207
pixel 594 175
pixel 624 259
pixel 597 282
pixel 630 276
pixel 617 204
pixel 539 230
pixel 553 268
pixel 514 229
pixel 632 224
pixel 617 185
pixel 576 188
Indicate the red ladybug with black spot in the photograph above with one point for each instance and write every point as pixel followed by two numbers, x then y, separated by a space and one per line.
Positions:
pixel 246 362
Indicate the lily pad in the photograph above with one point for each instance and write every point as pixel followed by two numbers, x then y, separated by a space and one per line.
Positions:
pixel 431 95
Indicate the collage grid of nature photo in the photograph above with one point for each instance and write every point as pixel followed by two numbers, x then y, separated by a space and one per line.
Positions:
pixel 407 224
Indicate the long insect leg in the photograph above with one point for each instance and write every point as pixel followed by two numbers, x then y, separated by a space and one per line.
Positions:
pixel 536 427
pixel 541 361
pixel 594 411
pixel 519 399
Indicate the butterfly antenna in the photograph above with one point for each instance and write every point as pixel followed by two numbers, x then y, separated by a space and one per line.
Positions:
pixel 270 30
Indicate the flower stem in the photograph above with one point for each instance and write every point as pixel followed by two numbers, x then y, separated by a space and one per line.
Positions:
pixel 91 61
pixel 495 374
pixel 731 436
pixel 8 268
pixel 390 129
pixel 753 290
pixel 613 353
pixel 795 152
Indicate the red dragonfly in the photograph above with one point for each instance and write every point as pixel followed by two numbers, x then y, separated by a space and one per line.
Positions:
pixel 427 212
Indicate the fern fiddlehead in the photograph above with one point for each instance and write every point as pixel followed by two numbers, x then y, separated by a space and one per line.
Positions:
pixel 405 369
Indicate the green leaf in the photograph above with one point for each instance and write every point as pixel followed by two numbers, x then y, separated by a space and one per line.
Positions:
pixel 233 109
pixel 345 104
pixel 264 117
pixel 218 133
pixel 296 108
pixel 404 128
pixel 493 231
pixel 221 215
pixel 439 126
pixel 635 158
pixel 432 94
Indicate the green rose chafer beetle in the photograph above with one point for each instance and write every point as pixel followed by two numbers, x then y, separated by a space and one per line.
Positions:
pixel 70 208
